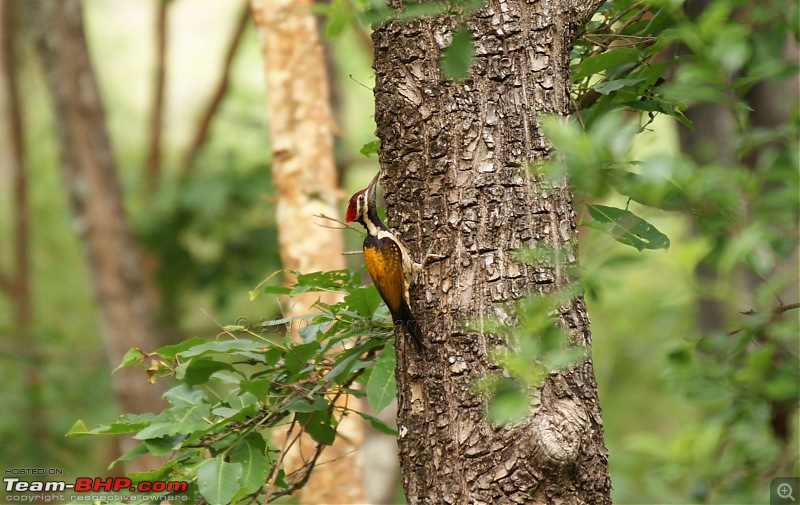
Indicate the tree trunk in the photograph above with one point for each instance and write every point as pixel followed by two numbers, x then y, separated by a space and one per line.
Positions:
pixel 89 172
pixel 710 141
pixel 159 85
pixel 301 130
pixel 17 286
pixel 455 158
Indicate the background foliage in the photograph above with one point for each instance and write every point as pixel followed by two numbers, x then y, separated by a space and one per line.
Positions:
pixel 692 415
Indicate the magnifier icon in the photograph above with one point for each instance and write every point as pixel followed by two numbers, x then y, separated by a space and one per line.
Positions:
pixel 785 491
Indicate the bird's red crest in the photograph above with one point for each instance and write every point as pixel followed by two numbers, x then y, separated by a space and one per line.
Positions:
pixel 350 216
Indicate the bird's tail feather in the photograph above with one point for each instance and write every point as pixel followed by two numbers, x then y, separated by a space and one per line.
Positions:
pixel 411 326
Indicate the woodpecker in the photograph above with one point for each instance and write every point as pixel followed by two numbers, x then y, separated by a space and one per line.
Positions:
pixel 387 260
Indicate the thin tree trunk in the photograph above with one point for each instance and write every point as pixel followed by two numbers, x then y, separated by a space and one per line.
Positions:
pixel 159 81
pixel 301 130
pixel 455 158
pixel 18 286
pixel 709 142
pixel 20 283
pixel 773 103
pixel 89 173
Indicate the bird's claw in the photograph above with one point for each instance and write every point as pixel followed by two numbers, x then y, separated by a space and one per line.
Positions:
pixel 428 259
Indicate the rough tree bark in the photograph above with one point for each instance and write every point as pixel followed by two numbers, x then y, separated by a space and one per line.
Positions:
pixel 454 157
pixel 89 173
pixel 301 128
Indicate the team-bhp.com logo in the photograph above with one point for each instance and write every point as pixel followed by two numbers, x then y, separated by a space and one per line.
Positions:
pixel 94 485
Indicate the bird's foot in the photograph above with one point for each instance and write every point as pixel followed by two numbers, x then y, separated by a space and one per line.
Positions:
pixel 428 259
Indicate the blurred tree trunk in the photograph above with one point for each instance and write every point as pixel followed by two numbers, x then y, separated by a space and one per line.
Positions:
pixel 89 173
pixel 712 141
pixel 455 158
pixel 301 130
pixel 17 284
pixel 709 142
pixel 159 81
pixel 773 103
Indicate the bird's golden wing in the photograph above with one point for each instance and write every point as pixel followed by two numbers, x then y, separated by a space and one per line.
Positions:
pixel 384 262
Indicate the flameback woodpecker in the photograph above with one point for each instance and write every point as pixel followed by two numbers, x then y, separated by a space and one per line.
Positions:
pixel 387 260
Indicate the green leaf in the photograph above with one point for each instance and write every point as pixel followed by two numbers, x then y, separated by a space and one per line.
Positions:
pixel 318 425
pixel 184 395
pixel 364 300
pixel 647 190
pixel 260 388
pixel 347 361
pixel 509 403
pixel 378 424
pixel 413 11
pixel 250 453
pixel 127 423
pixel 382 387
pixel 78 429
pixel 334 280
pixel 218 481
pixel 782 386
pixel 137 450
pixel 339 17
pixel 313 330
pixel 199 370
pixel 301 404
pixel 170 351
pixel 627 228
pixel 225 346
pixel 164 445
pixel 265 323
pixel 607 87
pixel 297 356
pixel 161 473
pixel 176 420
pixel 457 57
pixel 370 147
pixel 239 406
pixel 272 290
pixel 132 356
pixel 597 63
pixel 344 368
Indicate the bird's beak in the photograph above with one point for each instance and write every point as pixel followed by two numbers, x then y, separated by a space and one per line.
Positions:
pixel 373 183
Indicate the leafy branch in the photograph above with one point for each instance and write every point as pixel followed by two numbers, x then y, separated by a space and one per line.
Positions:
pixel 233 392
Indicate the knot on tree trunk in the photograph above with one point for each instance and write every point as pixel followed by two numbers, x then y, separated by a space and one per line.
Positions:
pixel 557 432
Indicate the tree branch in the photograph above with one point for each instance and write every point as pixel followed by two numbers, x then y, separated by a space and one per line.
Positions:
pixel 201 133
pixel 157 112
pixel 777 312
pixel 300 477
pixel 786 308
